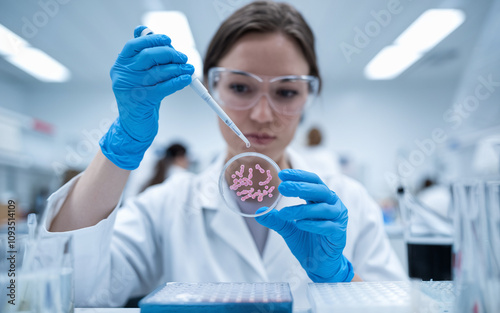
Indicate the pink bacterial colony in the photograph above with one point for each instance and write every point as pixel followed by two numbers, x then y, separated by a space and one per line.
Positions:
pixel 239 180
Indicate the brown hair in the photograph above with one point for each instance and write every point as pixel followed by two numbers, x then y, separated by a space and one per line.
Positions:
pixel 314 137
pixel 263 17
pixel 174 151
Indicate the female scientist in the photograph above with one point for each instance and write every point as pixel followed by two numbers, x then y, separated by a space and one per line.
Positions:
pixel 180 230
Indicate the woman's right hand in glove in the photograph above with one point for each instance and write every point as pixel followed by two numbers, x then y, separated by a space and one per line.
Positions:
pixel 147 70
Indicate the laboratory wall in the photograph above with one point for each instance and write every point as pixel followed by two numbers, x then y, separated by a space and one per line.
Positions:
pixel 12 95
pixel 475 115
pixel 372 124
pixel 18 179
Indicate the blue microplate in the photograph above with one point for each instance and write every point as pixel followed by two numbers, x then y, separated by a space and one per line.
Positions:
pixel 219 297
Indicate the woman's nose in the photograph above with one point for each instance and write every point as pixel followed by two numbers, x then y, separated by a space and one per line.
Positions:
pixel 262 111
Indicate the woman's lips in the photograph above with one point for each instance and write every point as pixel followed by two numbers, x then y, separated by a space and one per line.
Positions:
pixel 260 139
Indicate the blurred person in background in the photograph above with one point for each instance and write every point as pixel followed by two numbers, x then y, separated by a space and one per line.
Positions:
pixel 174 161
pixel 159 163
pixel 322 158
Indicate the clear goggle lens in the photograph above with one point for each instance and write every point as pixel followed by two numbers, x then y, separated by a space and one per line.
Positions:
pixel 238 90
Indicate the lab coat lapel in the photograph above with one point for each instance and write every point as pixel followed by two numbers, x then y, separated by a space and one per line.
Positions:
pixel 234 231
pixel 275 243
pixel 226 224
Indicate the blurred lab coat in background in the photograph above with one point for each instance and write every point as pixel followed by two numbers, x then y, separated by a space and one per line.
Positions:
pixel 436 197
pixel 486 160
pixel 158 164
pixel 320 159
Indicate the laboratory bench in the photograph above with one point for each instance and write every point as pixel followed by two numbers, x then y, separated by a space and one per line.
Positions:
pixel 123 310
pixel 396 296
pixel 106 310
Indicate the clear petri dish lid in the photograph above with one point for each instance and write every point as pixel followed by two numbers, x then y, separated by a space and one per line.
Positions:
pixel 248 182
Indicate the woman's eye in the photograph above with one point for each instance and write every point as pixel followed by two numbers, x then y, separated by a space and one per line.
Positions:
pixel 239 88
pixel 287 93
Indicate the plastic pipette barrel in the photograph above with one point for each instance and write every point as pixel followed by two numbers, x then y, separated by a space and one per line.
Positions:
pixel 203 93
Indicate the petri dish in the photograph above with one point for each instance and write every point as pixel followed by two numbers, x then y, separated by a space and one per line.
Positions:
pixel 249 181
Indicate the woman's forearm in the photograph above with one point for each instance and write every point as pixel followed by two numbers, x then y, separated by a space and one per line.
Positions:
pixel 93 197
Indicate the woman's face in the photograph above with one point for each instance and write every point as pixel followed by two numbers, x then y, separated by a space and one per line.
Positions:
pixel 269 132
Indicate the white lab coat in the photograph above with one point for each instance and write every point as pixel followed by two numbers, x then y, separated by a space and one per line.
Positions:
pixel 181 230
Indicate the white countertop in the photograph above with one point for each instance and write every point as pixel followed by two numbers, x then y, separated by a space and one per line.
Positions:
pixel 106 310
pixel 122 310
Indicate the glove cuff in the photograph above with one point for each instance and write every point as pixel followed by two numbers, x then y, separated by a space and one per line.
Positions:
pixel 347 269
pixel 344 273
pixel 121 149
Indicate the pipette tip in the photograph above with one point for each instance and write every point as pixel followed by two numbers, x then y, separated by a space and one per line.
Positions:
pixel 245 140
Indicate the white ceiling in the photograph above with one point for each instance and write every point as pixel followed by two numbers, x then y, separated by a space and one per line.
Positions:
pixel 87 35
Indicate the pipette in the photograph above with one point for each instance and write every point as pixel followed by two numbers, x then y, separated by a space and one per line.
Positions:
pixel 204 94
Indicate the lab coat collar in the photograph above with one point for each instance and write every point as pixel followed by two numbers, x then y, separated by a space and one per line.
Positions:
pixel 209 186
pixel 231 227
pixel 226 224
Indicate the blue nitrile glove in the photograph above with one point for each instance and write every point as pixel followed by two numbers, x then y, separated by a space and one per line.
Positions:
pixel 315 232
pixel 147 70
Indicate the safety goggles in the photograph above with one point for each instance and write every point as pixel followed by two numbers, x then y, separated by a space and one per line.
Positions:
pixel 239 90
